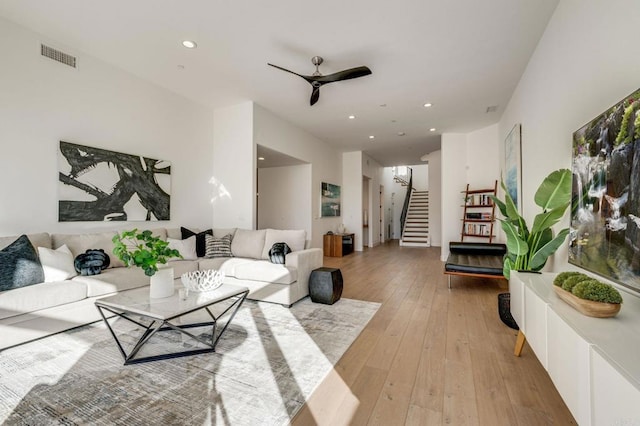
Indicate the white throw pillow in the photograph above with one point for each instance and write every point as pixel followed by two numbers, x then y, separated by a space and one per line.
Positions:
pixel 57 264
pixel 186 247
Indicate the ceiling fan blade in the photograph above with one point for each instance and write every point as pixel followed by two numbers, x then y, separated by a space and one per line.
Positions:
pixel 343 75
pixel 315 95
pixel 309 79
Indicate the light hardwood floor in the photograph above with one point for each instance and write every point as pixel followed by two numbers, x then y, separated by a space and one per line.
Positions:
pixel 430 355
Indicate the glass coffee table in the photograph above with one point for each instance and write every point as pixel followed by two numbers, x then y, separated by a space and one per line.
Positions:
pixel 170 314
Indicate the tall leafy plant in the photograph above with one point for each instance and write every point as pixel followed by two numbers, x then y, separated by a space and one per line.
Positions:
pixel 529 249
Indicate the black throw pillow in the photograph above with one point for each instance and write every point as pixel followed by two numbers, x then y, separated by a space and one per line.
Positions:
pixel 91 262
pixel 201 243
pixel 278 253
pixel 19 265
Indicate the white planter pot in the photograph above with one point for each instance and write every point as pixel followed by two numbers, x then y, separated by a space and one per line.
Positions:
pixel 161 284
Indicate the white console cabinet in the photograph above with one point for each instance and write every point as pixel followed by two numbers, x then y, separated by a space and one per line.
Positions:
pixel 593 362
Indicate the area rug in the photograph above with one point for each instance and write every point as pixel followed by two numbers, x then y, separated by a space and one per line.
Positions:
pixel 266 365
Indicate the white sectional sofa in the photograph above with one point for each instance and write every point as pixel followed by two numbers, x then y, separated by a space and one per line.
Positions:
pixel 37 310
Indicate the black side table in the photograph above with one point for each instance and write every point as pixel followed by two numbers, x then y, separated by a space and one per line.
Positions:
pixel 325 285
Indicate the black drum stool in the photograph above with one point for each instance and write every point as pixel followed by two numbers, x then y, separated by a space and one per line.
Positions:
pixel 325 285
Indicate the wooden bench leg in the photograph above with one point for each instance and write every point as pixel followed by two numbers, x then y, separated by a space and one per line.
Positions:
pixel 449 276
pixel 519 343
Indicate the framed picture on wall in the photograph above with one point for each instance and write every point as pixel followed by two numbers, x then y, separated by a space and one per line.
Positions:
pixel 513 165
pixel 96 184
pixel 329 200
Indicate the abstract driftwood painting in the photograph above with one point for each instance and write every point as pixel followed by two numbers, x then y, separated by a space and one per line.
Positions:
pixel 100 185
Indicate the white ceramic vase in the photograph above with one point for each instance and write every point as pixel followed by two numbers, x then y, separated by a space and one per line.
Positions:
pixel 161 284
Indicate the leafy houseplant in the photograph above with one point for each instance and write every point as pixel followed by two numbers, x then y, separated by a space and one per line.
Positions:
pixel 142 249
pixel 528 249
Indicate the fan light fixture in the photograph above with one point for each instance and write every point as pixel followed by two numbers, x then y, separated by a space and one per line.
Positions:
pixel 260 158
pixel 433 129
pixel 371 137
pixel 352 117
pixel 189 44
pixel 428 105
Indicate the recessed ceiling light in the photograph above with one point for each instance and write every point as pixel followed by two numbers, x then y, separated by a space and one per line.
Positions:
pixel 383 105
pixel 261 158
pixel 189 44
pixel 401 133
pixel 433 129
pixel 371 137
pixel 428 105
pixel 180 67
pixel 351 117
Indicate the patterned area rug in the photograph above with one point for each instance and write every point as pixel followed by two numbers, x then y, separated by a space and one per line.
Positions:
pixel 266 365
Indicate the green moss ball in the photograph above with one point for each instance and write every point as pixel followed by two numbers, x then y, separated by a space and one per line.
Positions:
pixel 597 291
pixel 570 282
pixel 562 276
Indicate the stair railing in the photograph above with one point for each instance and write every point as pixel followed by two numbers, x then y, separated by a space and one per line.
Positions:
pixel 405 207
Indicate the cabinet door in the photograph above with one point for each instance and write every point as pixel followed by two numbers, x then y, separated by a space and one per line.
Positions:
pixel 568 366
pixel 535 318
pixel 516 288
pixel 615 400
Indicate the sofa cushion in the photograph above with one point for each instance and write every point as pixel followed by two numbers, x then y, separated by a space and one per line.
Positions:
pixel 200 241
pixel 221 232
pixel 40 296
pixel 295 239
pixel 57 264
pixel 218 247
pixel 263 270
pixel 37 240
pixel 112 280
pixel 224 264
pixel 19 265
pixel 248 243
pixel 80 243
pixel 182 266
pixel 186 247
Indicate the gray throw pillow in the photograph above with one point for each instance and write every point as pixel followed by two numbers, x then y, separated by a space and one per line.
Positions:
pixel 19 265
pixel 218 247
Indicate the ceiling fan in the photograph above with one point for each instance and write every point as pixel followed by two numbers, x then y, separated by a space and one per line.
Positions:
pixel 317 80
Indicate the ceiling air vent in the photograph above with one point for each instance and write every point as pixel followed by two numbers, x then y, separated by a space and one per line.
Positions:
pixel 58 56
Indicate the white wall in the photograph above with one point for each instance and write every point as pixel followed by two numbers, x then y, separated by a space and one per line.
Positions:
pixel 471 158
pixel 284 200
pixel 584 63
pixel 372 170
pixel 43 102
pixel 483 157
pixel 435 198
pixel 278 134
pixel 352 195
pixel 234 167
pixel 454 180
pixel 420 177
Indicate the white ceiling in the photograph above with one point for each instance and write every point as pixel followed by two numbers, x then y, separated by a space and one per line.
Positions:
pixel 460 55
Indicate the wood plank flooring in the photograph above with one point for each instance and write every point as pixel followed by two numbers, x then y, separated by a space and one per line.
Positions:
pixel 430 355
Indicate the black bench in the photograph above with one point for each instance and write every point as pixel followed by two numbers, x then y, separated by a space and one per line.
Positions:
pixel 484 260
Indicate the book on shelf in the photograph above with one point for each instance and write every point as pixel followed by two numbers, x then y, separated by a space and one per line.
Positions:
pixel 479 200
pixel 477 229
pixel 478 215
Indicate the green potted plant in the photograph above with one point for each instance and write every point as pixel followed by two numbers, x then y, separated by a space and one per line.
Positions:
pixel 529 248
pixel 146 251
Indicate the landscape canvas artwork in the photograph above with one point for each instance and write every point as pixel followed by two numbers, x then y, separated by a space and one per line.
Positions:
pixel 330 200
pixel 101 185
pixel 605 208
pixel 513 163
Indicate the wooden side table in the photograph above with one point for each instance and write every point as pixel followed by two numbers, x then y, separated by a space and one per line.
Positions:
pixel 338 245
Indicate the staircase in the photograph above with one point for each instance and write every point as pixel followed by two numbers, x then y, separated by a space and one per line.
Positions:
pixel 416 228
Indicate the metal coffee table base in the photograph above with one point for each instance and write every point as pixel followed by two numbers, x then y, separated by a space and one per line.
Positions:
pixel 166 325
